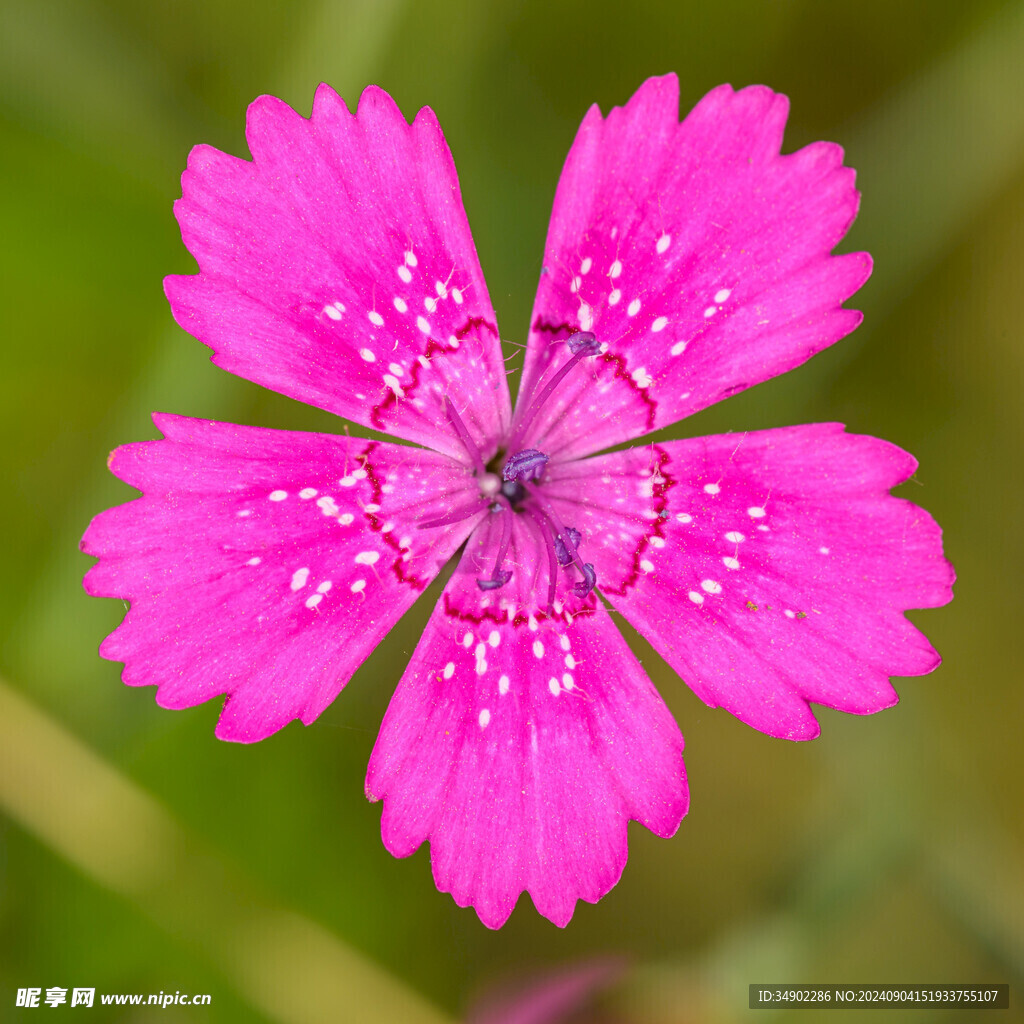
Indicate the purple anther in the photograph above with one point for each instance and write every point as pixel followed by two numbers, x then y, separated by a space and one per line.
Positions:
pixel 561 551
pixel 499 579
pixel 589 581
pixel 525 465
pixel 585 342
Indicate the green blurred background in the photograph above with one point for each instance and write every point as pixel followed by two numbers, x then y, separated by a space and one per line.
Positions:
pixel 139 854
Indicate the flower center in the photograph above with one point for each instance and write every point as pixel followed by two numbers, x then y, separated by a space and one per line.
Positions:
pixel 519 490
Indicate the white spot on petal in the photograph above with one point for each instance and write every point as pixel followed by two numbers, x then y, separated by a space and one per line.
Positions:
pixel 485 718
pixel 711 586
pixel 710 312
pixel 614 297
pixel 633 308
pixel 696 598
pixel 307 492
pixel 495 638
pixel 299 578
pixel 333 313
pixel 586 265
pixel 755 512
pixel 358 587
pixel 410 258
pixel 711 488
pixel 367 558
pixel 403 273
pixel 367 355
pixel 615 269
pixel 735 537
pixel 503 685
pixel 538 649
pixel 678 348
pixel 660 324
pixel 254 561
pixel 449 670
pixel 278 495
pixel 554 687
pixel 663 243
pixel 423 324
pixel 730 563
pixel 723 295
pixel 312 602
pixel 642 377
pixel 375 318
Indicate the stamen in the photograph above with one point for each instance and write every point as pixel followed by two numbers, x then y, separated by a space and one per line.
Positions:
pixel 499 577
pixel 455 516
pixel 561 553
pixel 464 436
pixel 499 580
pixel 585 342
pixel 545 530
pixel 525 465
pixel 589 580
pixel 581 345
pixel 564 535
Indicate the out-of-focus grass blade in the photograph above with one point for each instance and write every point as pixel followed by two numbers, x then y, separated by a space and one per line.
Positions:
pixel 283 964
pixel 71 76
pixel 342 47
pixel 938 152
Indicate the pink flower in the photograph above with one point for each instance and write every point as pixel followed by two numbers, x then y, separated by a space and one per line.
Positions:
pixel 684 262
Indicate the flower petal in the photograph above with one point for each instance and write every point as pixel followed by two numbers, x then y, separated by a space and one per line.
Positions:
pixel 774 569
pixel 265 564
pixel 520 747
pixel 337 267
pixel 696 253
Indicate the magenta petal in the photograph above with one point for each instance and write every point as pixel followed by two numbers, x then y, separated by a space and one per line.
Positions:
pixel 264 564
pixel 770 569
pixel 520 747
pixel 695 253
pixel 337 267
